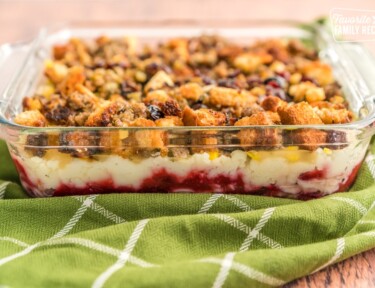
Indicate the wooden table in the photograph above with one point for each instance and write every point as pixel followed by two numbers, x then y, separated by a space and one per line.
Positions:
pixel 21 19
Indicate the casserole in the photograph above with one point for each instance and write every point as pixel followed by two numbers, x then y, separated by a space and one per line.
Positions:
pixel 190 158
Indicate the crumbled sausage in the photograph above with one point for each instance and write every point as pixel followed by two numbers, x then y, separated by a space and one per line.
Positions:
pixel 78 144
pixel 35 144
pixel 171 108
pixel 60 115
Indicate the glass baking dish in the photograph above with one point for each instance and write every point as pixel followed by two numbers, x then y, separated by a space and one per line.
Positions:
pixel 189 159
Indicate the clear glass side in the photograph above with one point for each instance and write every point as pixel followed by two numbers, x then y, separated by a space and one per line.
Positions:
pixel 244 161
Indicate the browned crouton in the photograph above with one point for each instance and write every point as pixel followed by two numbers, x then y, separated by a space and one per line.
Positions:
pixel 228 97
pixel 31 118
pixel 272 103
pixel 332 113
pixel 254 139
pixel 75 76
pixel 147 138
pixel 156 96
pixel 169 121
pixel 59 51
pixel 82 99
pixel 298 114
pixel 31 104
pixel 158 81
pixel 259 118
pixel 55 71
pixel 309 139
pixel 191 91
pixel 334 116
pixel 117 114
pixel 221 96
pixel 102 115
pixel 112 141
pixel 250 62
pixel 202 117
pixel 319 71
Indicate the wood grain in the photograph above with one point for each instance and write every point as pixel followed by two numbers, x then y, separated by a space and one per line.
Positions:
pixel 357 271
pixel 21 20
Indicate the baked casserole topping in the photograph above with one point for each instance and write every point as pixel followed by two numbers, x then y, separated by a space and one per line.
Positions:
pixel 199 81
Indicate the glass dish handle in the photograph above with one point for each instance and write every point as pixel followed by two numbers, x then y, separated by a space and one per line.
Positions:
pixel 12 57
pixel 365 66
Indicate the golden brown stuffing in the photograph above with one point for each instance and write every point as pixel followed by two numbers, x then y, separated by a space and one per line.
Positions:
pixel 309 139
pixel 147 138
pixel 158 81
pixel 220 96
pixel 319 71
pixel 272 103
pixel 31 118
pixel 259 138
pixel 298 114
pixel 169 121
pixel 77 143
pixel 197 81
pixel 191 91
pixel 202 117
pixel 156 96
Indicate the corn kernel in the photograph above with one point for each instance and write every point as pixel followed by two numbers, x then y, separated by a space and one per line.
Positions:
pixel 298 92
pixel 123 134
pixel 257 91
pixel 254 155
pixel 213 155
pixel 48 63
pixel 315 94
pixel 140 76
pixel 247 62
pixel 336 99
pixel 136 96
pixel 277 66
pixel 292 148
pixel 45 90
pixel 327 151
pixel 293 157
pixel 295 78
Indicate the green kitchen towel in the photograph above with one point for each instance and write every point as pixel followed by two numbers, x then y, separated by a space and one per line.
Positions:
pixel 177 240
